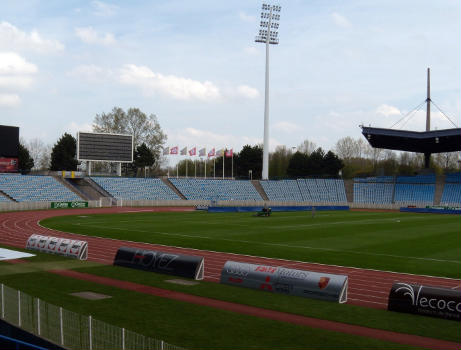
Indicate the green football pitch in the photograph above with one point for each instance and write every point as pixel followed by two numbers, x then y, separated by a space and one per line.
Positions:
pixel 427 244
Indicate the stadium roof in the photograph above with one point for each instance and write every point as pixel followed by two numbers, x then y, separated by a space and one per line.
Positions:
pixel 434 141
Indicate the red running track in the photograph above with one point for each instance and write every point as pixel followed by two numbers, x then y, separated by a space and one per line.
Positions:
pixel 367 288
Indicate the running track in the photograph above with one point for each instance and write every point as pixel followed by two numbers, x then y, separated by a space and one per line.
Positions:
pixel 367 288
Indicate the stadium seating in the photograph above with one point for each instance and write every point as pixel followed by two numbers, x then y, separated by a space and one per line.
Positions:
pixel 453 178
pixel 4 199
pixel 418 179
pixel 211 189
pixel 377 193
pixel 414 193
pixel 322 190
pixel 375 179
pixel 282 190
pixel 451 194
pixel 136 188
pixel 32 188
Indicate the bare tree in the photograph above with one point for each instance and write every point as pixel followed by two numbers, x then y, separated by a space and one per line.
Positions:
pixel 307 147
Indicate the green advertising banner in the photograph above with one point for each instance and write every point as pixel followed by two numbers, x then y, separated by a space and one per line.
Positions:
pixel 59 205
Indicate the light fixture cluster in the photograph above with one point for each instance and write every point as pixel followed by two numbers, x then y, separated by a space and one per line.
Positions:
pixel 269 24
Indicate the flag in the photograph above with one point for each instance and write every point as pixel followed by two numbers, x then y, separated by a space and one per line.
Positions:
pixel 229 153
pixel 193 151
pixel 202 152
pixel 211 153
pixel 166 151
pixel 184 151
pixel 220 153
pixel 174 150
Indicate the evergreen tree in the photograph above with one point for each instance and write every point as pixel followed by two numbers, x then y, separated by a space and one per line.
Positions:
pixel 63 154
pixel 25 161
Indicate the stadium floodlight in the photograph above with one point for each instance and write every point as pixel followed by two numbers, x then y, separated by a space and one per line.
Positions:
pixel 268 34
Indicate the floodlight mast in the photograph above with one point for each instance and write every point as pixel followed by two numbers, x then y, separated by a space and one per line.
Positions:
pixel 269 20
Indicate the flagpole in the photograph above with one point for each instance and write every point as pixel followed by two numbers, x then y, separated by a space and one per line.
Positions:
pixel 214 167
pixel 177 171
pixel 232 165
pixel 186 167
pixel 223 165
pixel 195 169
pixel 205 168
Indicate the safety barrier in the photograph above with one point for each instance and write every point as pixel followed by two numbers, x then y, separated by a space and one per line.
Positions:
pixel 276 208
pixel 60 246
pixel 431 210
pixel 424 300
pixel 68 329
pixel 168 263
pixel 282 280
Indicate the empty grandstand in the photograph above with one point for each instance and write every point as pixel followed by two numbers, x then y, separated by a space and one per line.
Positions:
pixel 282 190
pixel 136 188
pixel 373 192
pixel 210 189
pixel 35 188
pixel 452 190
pixel 322 190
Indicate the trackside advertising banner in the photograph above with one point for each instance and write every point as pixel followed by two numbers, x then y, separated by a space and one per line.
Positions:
pixel 60 246
pixel 423 300
pixel 172 264
pixel 8 165
pixel 60 205
pixel 302 283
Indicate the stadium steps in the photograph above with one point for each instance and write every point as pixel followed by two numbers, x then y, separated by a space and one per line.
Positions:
pixel 70 187
pixel 173 187
pixel 349 187
pixel 439 185
pixel 257 185
pixel 102 192
pixel 86 189
pixel 3 194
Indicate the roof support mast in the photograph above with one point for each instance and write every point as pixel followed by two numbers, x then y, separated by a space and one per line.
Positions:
pixel 427 156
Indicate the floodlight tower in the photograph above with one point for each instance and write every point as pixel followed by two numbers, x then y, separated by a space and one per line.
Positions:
pixel 268 34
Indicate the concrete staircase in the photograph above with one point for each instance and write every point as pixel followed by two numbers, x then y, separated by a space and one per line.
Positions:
pixel 3 194
pixel 349 187
pixel 439 185
pixel 70 187
pixel 260 189
pixel 173 187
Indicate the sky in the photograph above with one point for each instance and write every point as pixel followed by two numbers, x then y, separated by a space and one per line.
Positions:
pixel 195 65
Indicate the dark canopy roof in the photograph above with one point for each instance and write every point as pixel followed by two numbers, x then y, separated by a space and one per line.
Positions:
pixel 435 141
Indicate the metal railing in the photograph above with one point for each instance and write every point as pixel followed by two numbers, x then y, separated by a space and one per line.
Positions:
pixel 70 329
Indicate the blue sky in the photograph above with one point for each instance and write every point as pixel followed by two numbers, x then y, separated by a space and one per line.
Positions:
pixel 195 65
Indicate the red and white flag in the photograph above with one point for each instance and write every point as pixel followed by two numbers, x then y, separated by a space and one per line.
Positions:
pixel 202 152
pixel 220 152
pixel 184 151
pixel 193 151
pixel 174 150
pixel 229 153
pixel 211 153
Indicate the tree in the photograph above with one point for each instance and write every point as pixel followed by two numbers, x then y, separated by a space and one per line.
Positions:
pixel 298 165
pixel 25 161
pixel 332 164
pixel 40 153
pixel 314 163
pixel 143 156
pixel 249 158
pixel 278 162
pixel 144 128
pixel 63 154
pixel 307 147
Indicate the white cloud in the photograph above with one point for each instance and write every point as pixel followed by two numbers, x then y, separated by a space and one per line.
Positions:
pixel 247 91
pixel 287 127
pixel 387 110
pixel 12 63
pixel 12 38
pixel 90 36
pixel 170 85
pixel 103 9
pixel 9 100
pixel 340 20
pixel 91 72
pixel 74 127
pixel 247 18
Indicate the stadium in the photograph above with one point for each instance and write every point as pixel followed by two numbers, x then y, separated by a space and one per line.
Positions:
pixel 97 252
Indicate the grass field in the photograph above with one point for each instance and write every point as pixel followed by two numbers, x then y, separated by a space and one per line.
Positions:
pixel 393 241
pixel 193 326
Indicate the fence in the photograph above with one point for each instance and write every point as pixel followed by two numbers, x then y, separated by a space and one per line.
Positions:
pixel 69 329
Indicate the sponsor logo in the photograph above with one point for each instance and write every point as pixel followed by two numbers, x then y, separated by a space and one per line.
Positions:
pixel 263 268
pixel 430 301
pixel 295 274
pixel 238 269
pixel 323 282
